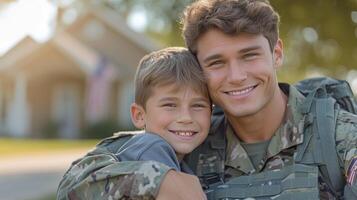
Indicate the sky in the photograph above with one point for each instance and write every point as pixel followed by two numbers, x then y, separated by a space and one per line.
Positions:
pixel 37 19
pixel 24 17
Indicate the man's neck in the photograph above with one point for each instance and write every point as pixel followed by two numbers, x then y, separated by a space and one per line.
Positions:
pixel 262 125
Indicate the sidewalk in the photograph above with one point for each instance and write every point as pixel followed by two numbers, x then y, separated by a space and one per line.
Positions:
pixel 34 176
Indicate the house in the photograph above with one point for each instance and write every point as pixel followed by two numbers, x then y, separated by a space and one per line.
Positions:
pixel 83 75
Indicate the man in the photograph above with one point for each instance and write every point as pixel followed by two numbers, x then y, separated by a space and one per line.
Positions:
pixel 264 144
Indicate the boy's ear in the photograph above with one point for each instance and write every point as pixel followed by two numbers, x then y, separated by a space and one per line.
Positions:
pixel 137 115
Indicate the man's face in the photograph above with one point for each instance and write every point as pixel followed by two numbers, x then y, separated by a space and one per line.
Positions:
pixel 240 70
pixel 180 115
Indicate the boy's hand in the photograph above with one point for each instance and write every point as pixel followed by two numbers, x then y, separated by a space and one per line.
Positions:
pixel 180 186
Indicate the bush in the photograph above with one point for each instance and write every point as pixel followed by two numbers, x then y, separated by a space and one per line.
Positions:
pixel 100 129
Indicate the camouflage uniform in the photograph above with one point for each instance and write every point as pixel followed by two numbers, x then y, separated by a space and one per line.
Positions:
pixel 98 174
pixel 283 144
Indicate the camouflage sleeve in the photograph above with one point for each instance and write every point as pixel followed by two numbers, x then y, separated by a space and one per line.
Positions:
pixel 101 176
pixel 346 140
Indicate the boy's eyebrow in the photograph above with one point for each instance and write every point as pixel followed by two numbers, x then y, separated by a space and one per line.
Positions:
pixel 244 50
pixel 175 98
pixel 168 98
pixel 201 99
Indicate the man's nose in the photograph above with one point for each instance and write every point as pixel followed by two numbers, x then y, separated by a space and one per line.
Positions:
pixel 236 72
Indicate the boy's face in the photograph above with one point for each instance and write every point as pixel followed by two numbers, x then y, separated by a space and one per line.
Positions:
pixel 180 115
pixel 240 70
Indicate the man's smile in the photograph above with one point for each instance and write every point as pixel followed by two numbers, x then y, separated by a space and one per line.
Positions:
pixel 242 91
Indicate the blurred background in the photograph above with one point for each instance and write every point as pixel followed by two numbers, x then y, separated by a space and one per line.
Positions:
pixel 67 67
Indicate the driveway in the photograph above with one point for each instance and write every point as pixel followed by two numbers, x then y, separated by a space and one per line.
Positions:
pixel 34 176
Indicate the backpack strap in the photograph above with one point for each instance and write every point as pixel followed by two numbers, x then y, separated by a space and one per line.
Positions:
pixel 326 127
pixel 319 145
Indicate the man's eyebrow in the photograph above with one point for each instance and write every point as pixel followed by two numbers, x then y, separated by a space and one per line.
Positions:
pixel 252 48
pixel 212 57
pixel 244 50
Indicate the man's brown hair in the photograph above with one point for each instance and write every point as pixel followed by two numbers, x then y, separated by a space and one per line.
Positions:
pixel 173 65
pixel 231 17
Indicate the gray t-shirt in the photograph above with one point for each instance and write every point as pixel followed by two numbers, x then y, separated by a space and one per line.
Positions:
pixel 149 146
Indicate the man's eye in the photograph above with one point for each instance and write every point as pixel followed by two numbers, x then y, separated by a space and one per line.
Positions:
pixel 250 56
pixel 215 63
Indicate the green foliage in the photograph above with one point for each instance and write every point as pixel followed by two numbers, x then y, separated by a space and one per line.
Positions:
pixel 51 130
pixel 163 17
pixel 320 36
pixel 333 53
pixel 100 129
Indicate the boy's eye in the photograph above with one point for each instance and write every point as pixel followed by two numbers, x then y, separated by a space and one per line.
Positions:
pixel 200 105
pixel 169 105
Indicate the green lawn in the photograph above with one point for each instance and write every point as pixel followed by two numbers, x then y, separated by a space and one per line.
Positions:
pixel 48 197
pixel 10 147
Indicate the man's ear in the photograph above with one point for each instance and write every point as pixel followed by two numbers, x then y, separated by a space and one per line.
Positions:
pixel 137 115
pixel 278 54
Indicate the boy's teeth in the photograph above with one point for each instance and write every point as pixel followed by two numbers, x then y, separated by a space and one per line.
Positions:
pixel 240 92
pixel 186 133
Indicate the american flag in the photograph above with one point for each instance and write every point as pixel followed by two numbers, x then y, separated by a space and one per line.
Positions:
pixel 99 87
pixel 352 171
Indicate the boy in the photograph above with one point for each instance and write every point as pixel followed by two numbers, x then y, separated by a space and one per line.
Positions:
pixel 171 105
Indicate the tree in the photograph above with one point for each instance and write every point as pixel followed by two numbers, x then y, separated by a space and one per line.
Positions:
pixel 319 35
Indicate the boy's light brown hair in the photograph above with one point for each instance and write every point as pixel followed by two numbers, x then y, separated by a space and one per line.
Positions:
pixel 231 17
pixel 173 65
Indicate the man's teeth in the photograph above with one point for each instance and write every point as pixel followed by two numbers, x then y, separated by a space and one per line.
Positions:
pixel 240 92
pixel 184 133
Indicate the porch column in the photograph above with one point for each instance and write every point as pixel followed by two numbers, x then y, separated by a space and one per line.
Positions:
pixel 18 115
pixel 125 99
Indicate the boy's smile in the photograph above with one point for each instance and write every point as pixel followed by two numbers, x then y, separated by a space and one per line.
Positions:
pixel 180 115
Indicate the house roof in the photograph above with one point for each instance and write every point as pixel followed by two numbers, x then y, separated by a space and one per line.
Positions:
pixel 116 21
pixel 22 49
pixel 84 55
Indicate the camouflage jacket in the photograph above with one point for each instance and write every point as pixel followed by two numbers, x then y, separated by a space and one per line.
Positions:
pixel 283 144
pixel 99 176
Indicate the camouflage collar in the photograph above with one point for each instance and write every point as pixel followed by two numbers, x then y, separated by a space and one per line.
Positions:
pixel 289 134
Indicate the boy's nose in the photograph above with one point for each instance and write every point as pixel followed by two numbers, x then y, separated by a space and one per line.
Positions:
pixel 185 116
